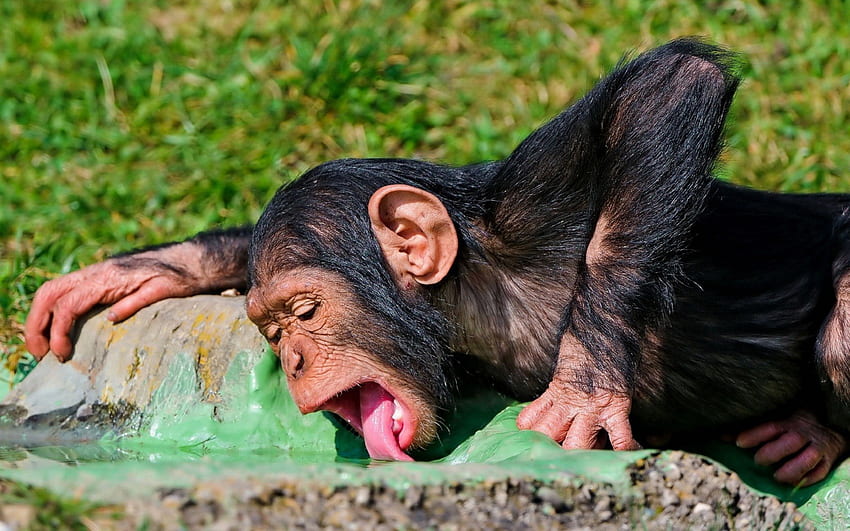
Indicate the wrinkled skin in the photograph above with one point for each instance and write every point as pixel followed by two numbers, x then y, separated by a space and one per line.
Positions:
pixel 597 417
pixel 575 418
pixel 301 313
pixel 60 302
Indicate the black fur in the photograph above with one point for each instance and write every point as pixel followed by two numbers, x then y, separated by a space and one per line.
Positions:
pixel 702 300
pixel 222 253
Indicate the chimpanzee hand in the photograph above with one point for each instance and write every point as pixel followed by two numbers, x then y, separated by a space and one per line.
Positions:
pixel 806 448
pixel 208 262
pixel 128 286
pixel 576 419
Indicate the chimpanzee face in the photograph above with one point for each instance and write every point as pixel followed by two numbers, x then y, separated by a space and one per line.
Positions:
pixel 333 352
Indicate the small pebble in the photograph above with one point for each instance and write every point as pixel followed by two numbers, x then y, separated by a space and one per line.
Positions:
pixel 701 508
pixel 669 498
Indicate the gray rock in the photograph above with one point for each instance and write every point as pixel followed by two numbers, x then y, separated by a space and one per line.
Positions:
pixel 117 369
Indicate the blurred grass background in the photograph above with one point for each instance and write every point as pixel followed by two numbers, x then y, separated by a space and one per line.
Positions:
pixel 129 123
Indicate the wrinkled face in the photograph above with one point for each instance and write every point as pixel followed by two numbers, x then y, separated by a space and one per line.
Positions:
pixel 330 348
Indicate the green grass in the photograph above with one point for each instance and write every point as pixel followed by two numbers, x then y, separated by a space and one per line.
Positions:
pixel 128 123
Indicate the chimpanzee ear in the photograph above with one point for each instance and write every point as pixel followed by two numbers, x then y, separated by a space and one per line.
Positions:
pixel 415 232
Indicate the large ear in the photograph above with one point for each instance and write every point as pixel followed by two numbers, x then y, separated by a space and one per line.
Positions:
pixel 415 232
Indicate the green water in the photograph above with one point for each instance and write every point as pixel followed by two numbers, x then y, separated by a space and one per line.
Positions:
pixel 254 430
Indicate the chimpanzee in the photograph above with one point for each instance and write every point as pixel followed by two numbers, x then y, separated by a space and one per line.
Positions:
pixel 599 270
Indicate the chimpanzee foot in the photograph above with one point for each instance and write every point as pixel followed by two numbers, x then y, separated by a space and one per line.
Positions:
pixel 804 449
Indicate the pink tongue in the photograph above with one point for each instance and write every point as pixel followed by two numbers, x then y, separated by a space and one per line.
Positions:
pixel 376 416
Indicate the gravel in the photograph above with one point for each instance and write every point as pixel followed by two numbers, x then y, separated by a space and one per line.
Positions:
pixel 678 492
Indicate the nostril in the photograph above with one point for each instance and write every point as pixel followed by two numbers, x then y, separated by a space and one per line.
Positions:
pixel 293 363
pixel 299 353
pixel 299 366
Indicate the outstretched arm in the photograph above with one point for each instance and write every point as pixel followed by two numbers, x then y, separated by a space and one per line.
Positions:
pixel 211 261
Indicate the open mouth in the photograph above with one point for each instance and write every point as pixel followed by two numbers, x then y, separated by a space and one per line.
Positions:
pixel 383 420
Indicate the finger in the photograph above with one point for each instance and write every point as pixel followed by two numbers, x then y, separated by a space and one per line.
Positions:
pixel 150 292
pixel 38 320
pixel 799 466
pixel 620 433
pixel 759 435
pixel 552 421
pixel 35 339
pixel 818 473
pixel 530 414
pixel 66 312
pixel 786 445
pixel 554 426
pixel 583 433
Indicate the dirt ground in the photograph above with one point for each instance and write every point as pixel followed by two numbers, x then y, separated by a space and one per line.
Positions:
pixel 685 491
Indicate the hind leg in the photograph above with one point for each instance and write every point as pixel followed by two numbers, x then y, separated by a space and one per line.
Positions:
pixel 804 448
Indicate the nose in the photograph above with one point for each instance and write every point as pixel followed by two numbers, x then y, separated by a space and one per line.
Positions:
pixel 293 360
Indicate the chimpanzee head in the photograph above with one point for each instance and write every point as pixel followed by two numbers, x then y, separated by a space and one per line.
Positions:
pixel 338 268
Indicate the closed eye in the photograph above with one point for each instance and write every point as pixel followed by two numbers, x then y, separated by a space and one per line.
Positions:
pixel 306 312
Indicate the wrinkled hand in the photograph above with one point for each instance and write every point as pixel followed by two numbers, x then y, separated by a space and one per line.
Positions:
pixel 808 448
pixel 576 419
pixel 61 301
